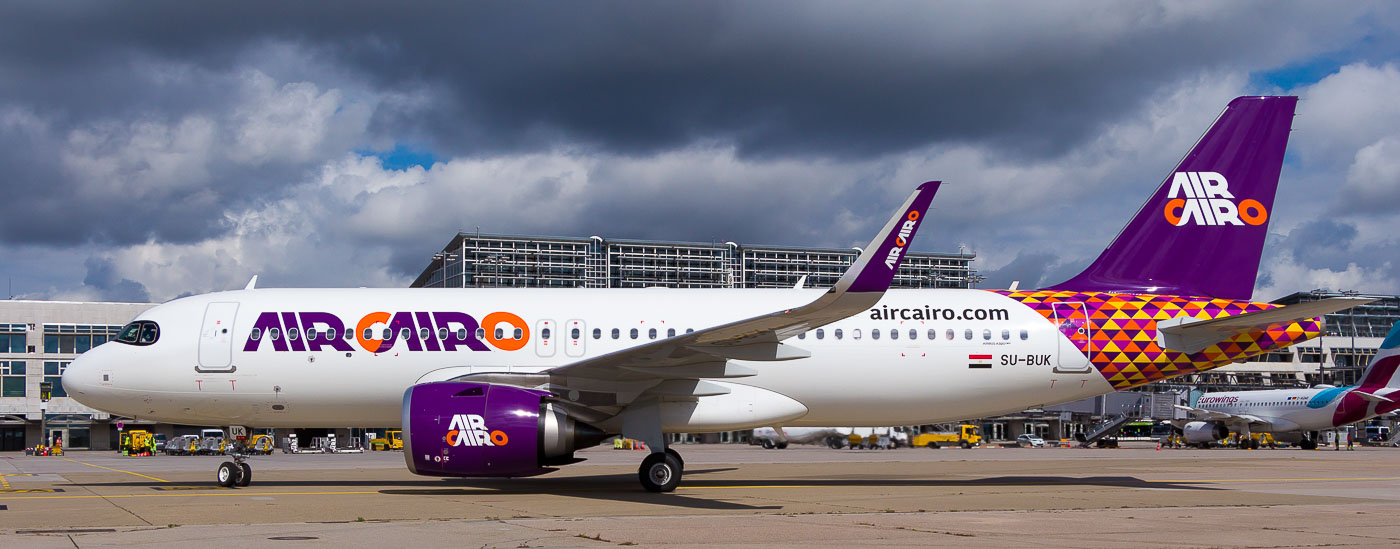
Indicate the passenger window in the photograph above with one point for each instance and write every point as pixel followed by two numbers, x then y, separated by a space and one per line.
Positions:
pixel 255 335
pixel 574 333
pixel 802 335
pixel 1005 334
pixel 987 334
pixel 500 334
pixel 651 334
pixel 519 334
pixel 875 334
pixel 837 333
pixel 932 334
pixel 670 332
pixel 462 333
pixel 274 333
pixel 967 334
pixel 293 334
pixel 332 333
pixel 442 333
pixel 688 330
pixel 1024 334
pixel 597 333
pixel 369 334
pixel 821 334
pixel 913 334
pixel 481 333
pixel 855 334
pixel 405 333
pixel 633 333
pixel 544 334
pixel 388 334
pixel 615 333
pixel 311 334
pixel 894 334
pixel 949 334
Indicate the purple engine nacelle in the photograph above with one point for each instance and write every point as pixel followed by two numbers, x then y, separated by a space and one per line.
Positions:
pixel 460 429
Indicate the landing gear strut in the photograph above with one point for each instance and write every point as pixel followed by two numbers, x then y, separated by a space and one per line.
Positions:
pixel 236 472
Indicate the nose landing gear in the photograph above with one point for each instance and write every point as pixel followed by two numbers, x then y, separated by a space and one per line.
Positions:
pixel 236 472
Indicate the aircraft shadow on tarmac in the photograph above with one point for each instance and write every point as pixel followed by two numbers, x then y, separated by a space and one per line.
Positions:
pixel 623 487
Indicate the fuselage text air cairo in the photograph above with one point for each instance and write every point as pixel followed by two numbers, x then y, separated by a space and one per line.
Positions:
pixel 1203 198
pixel 375 332
pixel 902 239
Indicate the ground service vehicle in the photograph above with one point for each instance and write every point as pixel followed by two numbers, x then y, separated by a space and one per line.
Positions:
pixel 1030 441
pixel 137 443
pixel 966 436
pixel 392 440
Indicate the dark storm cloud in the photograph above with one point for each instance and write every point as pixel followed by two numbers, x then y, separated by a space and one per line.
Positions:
pixel 773 78
pixel 102 276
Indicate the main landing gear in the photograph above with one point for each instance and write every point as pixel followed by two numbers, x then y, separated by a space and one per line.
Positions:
pixel 661 471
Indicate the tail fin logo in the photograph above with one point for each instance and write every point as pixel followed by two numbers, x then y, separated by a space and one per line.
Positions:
pixel 902 239
pixel 1203 198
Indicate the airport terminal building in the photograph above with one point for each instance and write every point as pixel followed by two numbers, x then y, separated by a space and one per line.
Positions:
pixel 39 338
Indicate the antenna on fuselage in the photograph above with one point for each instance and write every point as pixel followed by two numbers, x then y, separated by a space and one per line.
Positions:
pixel 252 283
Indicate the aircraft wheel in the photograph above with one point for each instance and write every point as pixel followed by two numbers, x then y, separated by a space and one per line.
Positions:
pixel 228 473
pixel 660 472
pixel 767 444
pixel 782 445
pixel 678 457
pixel 245 476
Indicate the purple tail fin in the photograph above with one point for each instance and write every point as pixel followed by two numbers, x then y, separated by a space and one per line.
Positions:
pixel 1202 232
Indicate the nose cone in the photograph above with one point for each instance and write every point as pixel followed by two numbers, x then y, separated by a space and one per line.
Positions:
pixel 81 378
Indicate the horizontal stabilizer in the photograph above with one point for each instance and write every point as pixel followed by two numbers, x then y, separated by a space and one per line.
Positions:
pixel 1370 397
pixel 1191 335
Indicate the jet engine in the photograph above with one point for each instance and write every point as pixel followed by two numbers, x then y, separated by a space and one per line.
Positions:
pixel 1197 432
pixel 457 429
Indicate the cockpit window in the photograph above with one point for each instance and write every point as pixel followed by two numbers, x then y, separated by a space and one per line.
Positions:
pixel 140 332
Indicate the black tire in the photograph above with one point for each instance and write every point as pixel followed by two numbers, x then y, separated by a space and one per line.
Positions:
pixel 965 445
pixel 767 444
pixel 933 445
pixel 245 475
pixel 782 445
pixel 228 474
pixel 678 457
pixel 660 472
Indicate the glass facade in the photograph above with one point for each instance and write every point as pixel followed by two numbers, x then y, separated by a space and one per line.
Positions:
pixel 474 260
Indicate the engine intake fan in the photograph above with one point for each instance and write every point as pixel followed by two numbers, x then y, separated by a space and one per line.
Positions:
pixel 460 429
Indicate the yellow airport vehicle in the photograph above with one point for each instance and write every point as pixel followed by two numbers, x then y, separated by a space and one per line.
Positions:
pixel 392 440
pixel 966 436
pixel 260 444
pixel 137 443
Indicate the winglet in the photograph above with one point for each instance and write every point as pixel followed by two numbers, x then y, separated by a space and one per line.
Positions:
pixel 874 270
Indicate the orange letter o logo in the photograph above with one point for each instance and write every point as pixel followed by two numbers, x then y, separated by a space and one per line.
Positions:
pixel 499 438
pixel 371 319
pixel 489 323
pixel 1252 212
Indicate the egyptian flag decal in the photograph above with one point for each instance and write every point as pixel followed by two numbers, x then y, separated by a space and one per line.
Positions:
pixel 979 361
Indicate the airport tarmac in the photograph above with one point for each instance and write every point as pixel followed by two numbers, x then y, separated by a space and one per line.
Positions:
pixel 731 494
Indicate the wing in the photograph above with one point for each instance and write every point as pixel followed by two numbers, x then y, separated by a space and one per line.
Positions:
pixel 1230 420
pixel 1191 335
pixel 677 366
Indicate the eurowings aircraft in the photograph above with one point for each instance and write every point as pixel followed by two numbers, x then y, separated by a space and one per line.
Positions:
pixel 510 382
pixel 1289 414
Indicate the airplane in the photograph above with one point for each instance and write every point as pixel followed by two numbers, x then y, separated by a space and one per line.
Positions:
pixel 832 437
pixel 510 382
pixel 1289 414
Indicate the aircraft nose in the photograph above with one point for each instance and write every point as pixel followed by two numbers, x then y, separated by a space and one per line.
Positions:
pixel 80 378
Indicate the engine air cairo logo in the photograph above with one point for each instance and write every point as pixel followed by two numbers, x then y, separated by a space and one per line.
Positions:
pixel 902 239
pixel 1203 198
pixel 471 430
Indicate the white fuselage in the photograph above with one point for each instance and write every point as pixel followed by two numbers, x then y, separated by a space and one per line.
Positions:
pixel 1284 410
pixel 198 372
